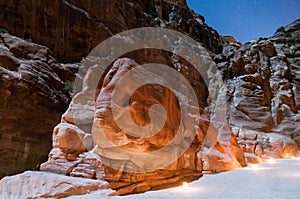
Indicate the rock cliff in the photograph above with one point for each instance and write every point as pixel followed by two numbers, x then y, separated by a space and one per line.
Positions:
pixel 33 93
pixel 67 26
pixel 262 78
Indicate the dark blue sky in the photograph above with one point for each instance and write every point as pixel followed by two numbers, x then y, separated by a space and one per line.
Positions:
pixel 247 19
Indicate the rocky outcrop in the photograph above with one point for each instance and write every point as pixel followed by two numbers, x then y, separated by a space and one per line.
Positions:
pixel 46 185
pixel 126 175
pixel 266 145
pixel 112 152
pixel 74 25
pixel 230 40
pixel 225 155
pixel 262 78
pixel 33 93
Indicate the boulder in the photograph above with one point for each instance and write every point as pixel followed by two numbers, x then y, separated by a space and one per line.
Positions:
pixel 71 139
pixel 33 184
pixel 225 155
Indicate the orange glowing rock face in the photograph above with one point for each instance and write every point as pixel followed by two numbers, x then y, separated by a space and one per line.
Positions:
pixel 140 102
pixel 288 155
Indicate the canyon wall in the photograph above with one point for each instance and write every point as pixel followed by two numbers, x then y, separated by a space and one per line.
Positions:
pixel 250 105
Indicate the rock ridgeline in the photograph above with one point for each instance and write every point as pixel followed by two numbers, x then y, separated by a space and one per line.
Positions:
pixel 257 87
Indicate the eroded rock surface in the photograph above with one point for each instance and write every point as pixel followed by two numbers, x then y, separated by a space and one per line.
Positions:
pixel 266 145
pixel 33 94
pixel 83 24
pixel 32 184
pixel 262 78
pixel 70 29
pixel 124 173
pixel 226 154
pixel 128 173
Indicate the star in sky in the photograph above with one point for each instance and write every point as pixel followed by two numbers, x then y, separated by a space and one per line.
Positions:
pixel 247 20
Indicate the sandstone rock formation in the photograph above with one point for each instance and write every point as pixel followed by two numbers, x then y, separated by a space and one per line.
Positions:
pixel 33 94
pixel 225 155
pixel 72 143
pixel 128 172
pixel 74 25
pixel 230 39
pixel 265 145
pixel 251 103
pixel 47 185
pixel 262 78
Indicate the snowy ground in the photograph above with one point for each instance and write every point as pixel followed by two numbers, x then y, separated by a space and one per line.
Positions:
pixel 277 180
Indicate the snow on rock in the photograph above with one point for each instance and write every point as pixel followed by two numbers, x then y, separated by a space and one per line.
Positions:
pixel 32 184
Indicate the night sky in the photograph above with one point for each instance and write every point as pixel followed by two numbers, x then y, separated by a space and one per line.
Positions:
pixel 247 19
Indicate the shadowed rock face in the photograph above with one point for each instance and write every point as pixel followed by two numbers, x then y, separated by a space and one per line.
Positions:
pixel 71 29
pixel 32 97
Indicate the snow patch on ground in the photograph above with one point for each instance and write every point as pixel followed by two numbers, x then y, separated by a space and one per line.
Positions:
pixel 277 180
